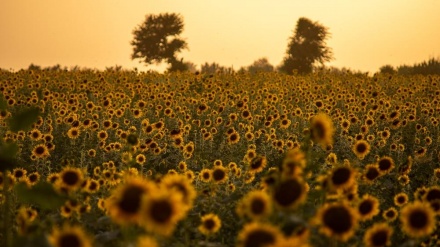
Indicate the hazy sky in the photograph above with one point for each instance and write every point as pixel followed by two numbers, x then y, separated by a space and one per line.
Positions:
pixel 97 33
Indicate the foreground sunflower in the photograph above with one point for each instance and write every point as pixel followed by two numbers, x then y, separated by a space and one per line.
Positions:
pixel 69 236
pixel 368 207
pixel 182 184
pixel 321 130
pixel 256 205
pixel 259 235
pixel 70 179
pixel 161 211
pixel 124 206
pixel 289 193
pixel 378 235
pixel 342 177
pixel 418 219
pixel 337 220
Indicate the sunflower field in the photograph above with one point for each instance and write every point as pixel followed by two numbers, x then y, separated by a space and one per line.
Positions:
pixel 127 158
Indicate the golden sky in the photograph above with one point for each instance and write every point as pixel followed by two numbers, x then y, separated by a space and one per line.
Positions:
pixel 97 33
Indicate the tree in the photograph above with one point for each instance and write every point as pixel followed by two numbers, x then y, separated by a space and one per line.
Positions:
pixel 387 69
pixel 157 40
pixel 306 47
pixel 260 65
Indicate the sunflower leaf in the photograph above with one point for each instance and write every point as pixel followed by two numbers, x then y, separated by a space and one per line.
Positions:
pixel 24 119
pixel 42 194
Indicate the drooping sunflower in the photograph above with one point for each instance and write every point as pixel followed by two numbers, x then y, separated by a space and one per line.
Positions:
pixel 361 148
pixel 259 235
pixel 161 211
pixel 337 220
pixel 322 130
pixel 418 219
pixel 69 236
pixel 368 207
pixel 378 235
pixel 125 204
pixel 210 224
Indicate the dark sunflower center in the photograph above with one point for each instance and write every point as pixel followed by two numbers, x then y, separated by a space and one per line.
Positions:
pixel 379 238
pixel 259 238
pixel 218 174
pixel 209 224
pixel 131 200
pixel 418 219
pixel 338 219
pixel 288 192
pixel 361 148
pixel 70 178
pixel 372 174
pixel 258 206
pixel 69 240
pixel 39 150
pixel 365 207
pixel 384 164
pixel 318 131
pixel 161 211
pixel 433 194
pixel 341 176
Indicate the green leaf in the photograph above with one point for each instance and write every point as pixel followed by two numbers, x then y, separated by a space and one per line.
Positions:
pixel 7 156
pixel 3 104
pixel 24 120
pixel 42 194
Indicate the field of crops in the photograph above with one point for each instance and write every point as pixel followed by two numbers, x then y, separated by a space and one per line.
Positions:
pixel 122 158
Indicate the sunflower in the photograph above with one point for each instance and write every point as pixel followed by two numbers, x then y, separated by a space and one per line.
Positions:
pixel 418 219
pixel 337 220
pixel 69 236
pixel 289 193
pixel 257 164
pixel 385 164
pixel 256 204
pixel 19 174
pixel 210 224
pixel 35 135
pixel 182 185
pixel 361 148
pixel 259 235
pixel 233 138
pixel 390 214
pixel 73 133
pixel 367 207
pixel 161 211
pixel 219 174
pixel 371 173
pixel 125 204
pixel 70 178
pixel 146 241
pixel 322 130
pixel 205 175
pixel 432 194
pixel 40 151
pixel 140 159
pixel 342 177
pixel 400 199
pixel 33 178
pixel 378 235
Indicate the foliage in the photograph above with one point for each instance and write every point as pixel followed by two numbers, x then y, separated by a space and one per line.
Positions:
pixel 157 39
pixel 260 65
pixel 306 47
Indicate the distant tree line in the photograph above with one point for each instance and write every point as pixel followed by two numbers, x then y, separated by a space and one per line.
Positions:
pixel 430 67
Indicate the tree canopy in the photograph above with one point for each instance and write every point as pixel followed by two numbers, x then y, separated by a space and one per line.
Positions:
pixel 157 40
pixel 306 47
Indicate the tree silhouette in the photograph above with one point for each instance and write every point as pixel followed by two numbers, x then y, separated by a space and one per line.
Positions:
pixel 306 47
pixel 260 65
pixel 157 40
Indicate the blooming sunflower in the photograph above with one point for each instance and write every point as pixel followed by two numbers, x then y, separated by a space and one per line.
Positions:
pixel 337 220
pixel 342 177
pixel 210 224
pixel 70 178
pixel 256 205
pixel 259 235
pixel 367 207
pixel 182 184
pixel 378 235
pixel 125 204
pixel 161 211
pixel 361 148
pixel 69 236
pixel 418 219
pixel 289 193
